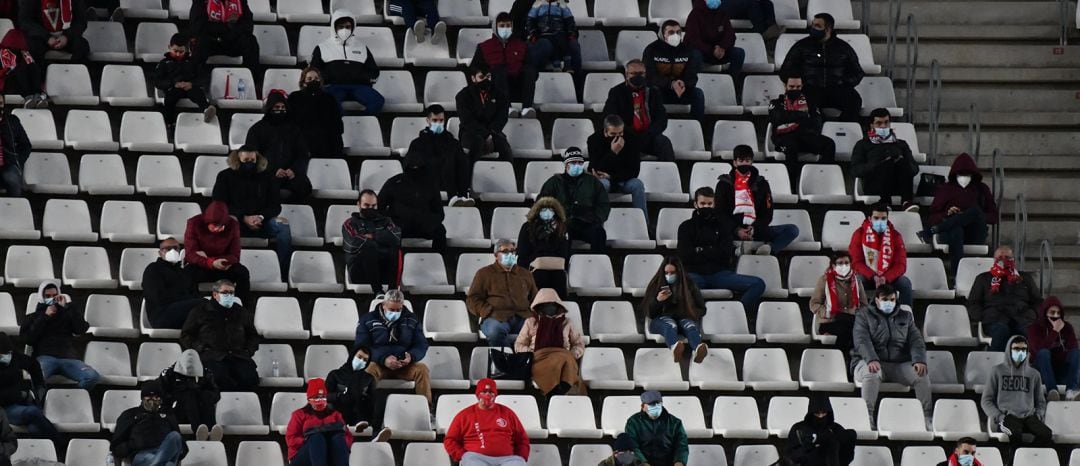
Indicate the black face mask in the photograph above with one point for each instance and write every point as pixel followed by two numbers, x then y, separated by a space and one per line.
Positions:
pixel 484 85
pixel 793 94
pixel 637 82
pixel 707 213
pixel 248 167
pixel 368 212
pixel 744 169
pixel 313 85
pixel 278 115
pixel 820 421
pixel 548 309
pixel 1054 318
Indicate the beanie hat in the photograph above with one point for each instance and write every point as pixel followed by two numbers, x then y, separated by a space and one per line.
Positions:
pixel 151 387
pixel 573 154
pixel 316 387
pixel 624 442
pixel 487 384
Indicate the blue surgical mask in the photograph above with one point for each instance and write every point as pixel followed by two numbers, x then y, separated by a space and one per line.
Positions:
pixel 547 214
pixel 1019 356
pixel 887 306
pixel 437 127
pixel 5 359
pixel 226 300
pixel 504 33
pixel 965 460
pixel 712 4
pixel 358 364
pixel 49 301
pixel 883 132
pixel 670 278
pixel 654 410
pixel 391 315
pixel 879 225
pixel 508 259
pixel 576 169
pixel 817 33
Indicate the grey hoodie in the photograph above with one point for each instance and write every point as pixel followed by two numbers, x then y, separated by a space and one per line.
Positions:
pixel 1013 389
pixel 189 364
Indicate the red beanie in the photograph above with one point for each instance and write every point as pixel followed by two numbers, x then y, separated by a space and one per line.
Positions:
pixel 316 387
pixel 487 384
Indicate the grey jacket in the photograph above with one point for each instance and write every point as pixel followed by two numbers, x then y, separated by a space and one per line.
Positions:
pixel 886 337
pixel 1015 389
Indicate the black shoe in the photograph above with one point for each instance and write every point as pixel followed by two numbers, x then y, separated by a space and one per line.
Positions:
pixel 561 389
pixel 925 235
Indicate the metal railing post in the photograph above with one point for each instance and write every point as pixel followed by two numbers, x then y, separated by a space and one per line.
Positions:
pixel 1020 224
pixel 974 132
pixel 911 45
pixel 1046 267
pixel 997 189
pixel 935 109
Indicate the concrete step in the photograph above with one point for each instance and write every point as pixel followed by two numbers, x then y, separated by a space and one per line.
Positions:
pixel 1004 119
pixel 1046 34
pixel 968 74
pixel 1038 150
pixel 1060 210
pixel 968 13
pixel 989 55
pixel 990 98
pixel 1047 186
pixel 1058 231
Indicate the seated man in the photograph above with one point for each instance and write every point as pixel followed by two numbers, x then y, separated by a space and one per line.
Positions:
pixel 615 160
pixel 224 27
pixel 169 294
pixel 348 67
pixel 797 129
pixel 878 255
pixel 21 74
pixel 512 72
pixel 397 343
pixel 659 437
pixel 829 68
pixel 483 110
pixel 413 204
pixel 427 26
pixel 1004 299
pixel 278 138
pixel 707 252
pixel 54 25
pixel 251 190
pixel 746 195
pixel 21 397
pixel 642 106
pixel 710 33
pixel 487 433
pixel 1014 400
pixel 963 208
pixel 552 33
pixel 889 348
pixel 16 150
pixel 963 454
pixel 818 440
pixel 318 115
pixel 672 66
pixel 583 197
pixel 884 163
pixel 51 331
pixel 372 244
pixel 177 76
pixel 351 391
pixel 212 241
pixel 223 332
pixel 148 433
pixel 501 295
pixel 1057 356
pixel 445 163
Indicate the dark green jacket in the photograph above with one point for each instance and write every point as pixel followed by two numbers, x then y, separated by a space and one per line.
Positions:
pixel 661 441
pixel 583 197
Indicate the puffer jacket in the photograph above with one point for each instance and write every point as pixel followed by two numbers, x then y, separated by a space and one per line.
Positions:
pixel 396 338
pixel 347 62
pixel 509 55
pixel 886 337
pixel 526 339
pixel 871 162
pixel 437 151
pixel 1013 301
pixel 830 64
pixel 706 243
pixel 550 19
pixel 279 138
pixel 216 332
pixel 408 199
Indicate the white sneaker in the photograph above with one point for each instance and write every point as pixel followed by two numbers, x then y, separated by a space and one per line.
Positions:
pixel 514 113
pixel 528 112
pixel 468 202
pixel 202 433
pixel 763 250
pixel 1072 395
pixel 419 29
pixel 209 114
pixel 383 435
pixel 455 201
pixel 439 34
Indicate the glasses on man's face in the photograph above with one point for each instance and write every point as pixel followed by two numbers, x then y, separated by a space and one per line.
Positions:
pixel 636 73
pixel 507 251
pixel 170 248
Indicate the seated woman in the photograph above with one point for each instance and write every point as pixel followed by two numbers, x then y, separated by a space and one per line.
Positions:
pixel 837 295
pixel 675 305
pixel 555 346
pixel 1052 344
pixel 543 246
pixel 317 435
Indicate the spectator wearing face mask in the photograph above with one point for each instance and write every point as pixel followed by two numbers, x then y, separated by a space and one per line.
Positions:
pixel 445 163
pixel 22 398
pixel 372 244
pixel 583 197
pixel 641 106
pixel 347 65
pixel 177 76
pixel 884 163
pixel 1053 342
pixel 797 129
pixel 57 25
pixel 223 332
pixel 672 66
pixel 318 115
pixel 818 440
pixel 148 433
pixel 14 152
pixel 487 433
pixel 543 244
pixel 512 71
pixel 622 453
pixel 710 33
pixel 552 34
pixel 251 189
pixel 659 438
pixel 675 305
pixel 189 392
pixel 829 68
pixel 746 195
pixel 615 160
pixel 351 391
pixel 483 110
pixel 878 254
pixel 500 295
pixel 555 344
pixel 168 291
pixel 838 295
pixel 963 454
pixel 1014 398
pixel 280 139
pixel 962 210
pixel 397 343
pixel 413 204
pixel 51 331
pixel 1003 299
pixel 212 249
pixel 316 434
pixel 224 27
pixel 20 74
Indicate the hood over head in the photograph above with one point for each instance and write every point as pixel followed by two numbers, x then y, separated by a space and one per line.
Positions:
pixel 964 163
pixel 46 285
pixel 274 97
pixel 5 343
pixel 217 213
pixel 340 14
pixel 150 387
pixel 189 364
pixel 14 39
pixel 547 295
pixel 414 162
pixel 1008 351
pixel 1047 303
pixel 819 403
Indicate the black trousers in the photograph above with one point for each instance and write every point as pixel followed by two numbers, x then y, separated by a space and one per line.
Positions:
pixel 195 408
pixel 889 181
pixel 295 190
pixel 846 99
pixel 456 174
pixel 592 233
pixel 478 146
pixel 238 274
pixel 174 314
pixel 371 267
pixel 243 45
pixel 658 145
pixel 520 88
pixel 173 96
pixel 25 79
pixel 843 325
pixel 554 279
pixel 434 231
pixel 78 47
pixel 234 373
pixel 1028 425
pixel 793 143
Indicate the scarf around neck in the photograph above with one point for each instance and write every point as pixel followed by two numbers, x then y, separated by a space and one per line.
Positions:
pixel 549 332
pixel 744 198
pixel 875 139
pixel 832 282
pixel 878 253
pixel 223 11
pixel 56 15
pixel 1000 270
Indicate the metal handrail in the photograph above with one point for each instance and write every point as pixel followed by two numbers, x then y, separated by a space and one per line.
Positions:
pixel 865 26
pixel 911 43
pixel 935 110
pixel 974 132
pixel 1020 224
pixel 1046 267
pixel 997 189
pixel 1063 12
pixel 890 39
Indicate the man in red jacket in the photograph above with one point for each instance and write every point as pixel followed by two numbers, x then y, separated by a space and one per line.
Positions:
pixel 212 248
pixel 878 254
pixel 512 73
pixel 487 433
pixel 316 434
pixel 709 31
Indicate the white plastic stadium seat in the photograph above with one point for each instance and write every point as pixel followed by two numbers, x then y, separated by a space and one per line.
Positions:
pixel 597 86
pixel 40 128
pixel 276 366
pixel 918 456
pixel 768 269
pixel 160 175
pixel 627 228
pixel 1031 456
pixel 204 174
pixel 716 372
pixel 427 54
pixel 555 94
pixel 273 45
pixel 783 412
pixel 824 370
pixel 152 38
pixel 112 361
pixel 279 318
pixel 662 10
pixel 877 92
pixel 766 369
pixel 144 132
pixel 172 219
pixel 948 325
pixel 496 182
pixel 969 268
pixel 954 419
pixel 662 182
pixel 902 419
pixel 605 369
pixel 330 179
pixel 688 409
pixel 104 174
pixel 873 456
pixel 655 370
pixel 363 136
pixel 630 44
pixel 425 273
pixel 1062 420
pixel 28 266
pixel 240 413
pixel 737 417
pixel 133 262
pixel 70 410
pixel 851 412
pixel 638 270
pixel 595 55
pixel 615 411
pixel 85 452
pixel 942 369
pixel 302 224
pixel 319 360
pixel 725 322
pixel 115 402
pixel 259 453
pixel 108 42
pixel 823 184
pixel 720 97
pixel 845 135
pixel 839 9
pixel 206 453
pixel 408 417
pixel 758 90
pixel 48 173
pixel 441 87
pixel 928 279
pixel 566 418
pixel 728 133
pixel 444 362
pixel 687 140
pixel 67 220
pixel 18 219
pixel 399 90
pixel 89 130
pixel 193 135
pixel 34 449
pixel 282 407
pixel 225 84
pixel 154 358
pixel 110 316
pixel 755 455
pixel 571 132
pixel 757 61
pixel 313 272
pixel 69 84
pixel 506 222
pixel 667 225
pixel 87 267
pixel 618 13
pixel 327 317
pixel 447 320
pixel 588 455
pixel 838 227
pixel 592 275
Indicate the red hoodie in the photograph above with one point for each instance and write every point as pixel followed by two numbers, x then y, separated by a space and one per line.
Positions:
pixel 976 194
pixel 223 245
pixel 489 432
pixel 707 28
pixel 1041 335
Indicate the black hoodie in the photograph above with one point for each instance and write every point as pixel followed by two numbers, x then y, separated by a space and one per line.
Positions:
pixel 278 138
pixel 352 393
pixel 14 388
pixel 819 441
pixel 54 335
pixel 319 118
pixel 438 151
pixel 759 187
pixel 408 199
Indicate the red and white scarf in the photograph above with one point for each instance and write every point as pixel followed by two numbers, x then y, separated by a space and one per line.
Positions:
pixel 1003 269
pixel 875 139
pixel 878 254
pixel 744 198
pixel 793 105
pixel 832 304
pixel 224 11
pixel 56 15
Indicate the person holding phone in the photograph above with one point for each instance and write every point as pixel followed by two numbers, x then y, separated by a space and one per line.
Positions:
pixel 675 306
pixel 212 249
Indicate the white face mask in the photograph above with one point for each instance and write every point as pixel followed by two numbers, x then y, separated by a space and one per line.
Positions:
pixel 674 40
pixel 842 270
pixel 963 180
pixel 173 256
pixel 344 33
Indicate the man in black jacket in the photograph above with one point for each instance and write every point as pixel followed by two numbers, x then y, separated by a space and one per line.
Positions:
pixel 177 75
pixel 672 66
pixel 318 115
pixel 251 190
pixel 483 110
pixel 8 442
pixel 746 196
pixel 829 68
pixel 54 25
pixel 51 331
pixel 14 150
pixel 707 253
pixel 278 138
pixel 351 391
pixel 445 163
pixel 224 27
pixel 796 128
pixel 223 332
pixel 21 399
pixel 168 291
pixel 348 67
pixel 372 244
pixel 818 440
pixel 641 106
pixel 884 163
pixel 148 434
pixel 616 161
pixel 414 205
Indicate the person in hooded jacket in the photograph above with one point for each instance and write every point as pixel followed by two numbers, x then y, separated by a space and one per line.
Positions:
pixel 884 163
pixel 318 115
pixel 20 74
pixel 212 249
pixel 169 293
pixel 675 305
pixel 622 453
pixel 14 152
pixel 252 191
pixel 760 13
pixel 641 107
pixel 279 138
pixel 555 344
pixel 353 393
pixel 1052 342
pixel 710 33
pixel 543 244
pixel 372 245
pixel 223 332
pixel 829 68
pixel 1014 398
pixel 177 75
pixel 512 71
pixel 9 444
pixel 963 207
pixel 224 27
pixel 414 205
pixel 1004 299
pixel 487 433
pixel 818 440
pixel 797 129
pixel 148 434
pixel 672 66
pixel 746 195
pixel 347 65
pixel 659 437
pixel 57 25
pixel 445 163
pixel 483 110
pixel 317 435
pixel 20 397
pixel 838 295
pixel 189 392
pixel 584 198
pixel 963 454
pixel 51 331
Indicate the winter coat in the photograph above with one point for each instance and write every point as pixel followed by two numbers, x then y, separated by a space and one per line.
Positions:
pixel 54 336
pixel 861 266
pixel 526 339
pixel 886 337
pixel 819 442
pixel 202 26
pixel 352 393
pixel 1013 302
pixel 347 62
pixel 707 28
pixel 820 298
pixel 810 121
pixel 169 71
pixel 661 441
pixel 385 339
pixel 306 421
pixel 531 247
pixel 16 143
pixel 8 442
pixel 622 166
pixel 583 197
pixel 14 388
pixel 500 294
pixel 138 429
pixel 870 162
pixel 438 151
pixel 248 193
pixel 976 194
pixel 551 19
pixel 1013 389
pixel 217 333
pixel 510 56
pixel 408 200
pixel 165 283
pixel 223 245
pixel 706 245
pixel 281 141
pixel 620 101
pixel 481 117
pixel 319 118
pixel 759 188
pixel 379 232
pixel 664 64
pixel 830 64
pixel 1041 335
pixel 179 379
pixel 32 25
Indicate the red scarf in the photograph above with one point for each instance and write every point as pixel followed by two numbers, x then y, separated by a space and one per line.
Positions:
pixel 832 305
pixel 1003 269
pixel 793 105
pixel 878 254
pixel 549 332
pixel 223 11
pixel 56 15
pixel 744 198
pixel 641 111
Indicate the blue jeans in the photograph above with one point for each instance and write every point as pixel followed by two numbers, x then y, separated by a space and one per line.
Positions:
pixel 281 233
pixel 11 179
pixel 1050 372
pixel 73 369
pixel 322 450
pixel 734 58
pixel 166 454
pixel 550 49
pixel 406 9
pixel 634 187
pixel 902 286
pixel 779 237
pixel 1001 332
pixel 31 417
pixel 669 327
pixel 371 99
pixel 749 286
pixel 498 333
